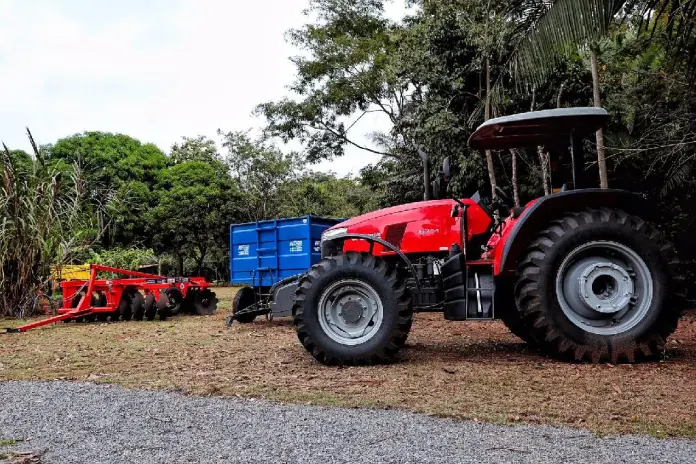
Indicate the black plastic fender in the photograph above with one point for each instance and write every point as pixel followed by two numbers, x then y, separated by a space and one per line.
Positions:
pixel 329 247
pixel 546 208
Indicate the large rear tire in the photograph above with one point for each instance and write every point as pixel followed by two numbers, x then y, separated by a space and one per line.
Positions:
pixel 352 309
pixel 510 316
pixel 596 286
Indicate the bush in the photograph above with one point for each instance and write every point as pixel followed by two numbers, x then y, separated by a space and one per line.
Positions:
pixel 43 222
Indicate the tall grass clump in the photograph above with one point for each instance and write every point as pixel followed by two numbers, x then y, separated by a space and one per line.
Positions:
pixel 45 219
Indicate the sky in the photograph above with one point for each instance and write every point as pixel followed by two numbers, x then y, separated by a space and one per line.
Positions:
pixel 156 70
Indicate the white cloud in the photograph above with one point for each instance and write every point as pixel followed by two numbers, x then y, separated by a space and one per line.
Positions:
pixel 154 70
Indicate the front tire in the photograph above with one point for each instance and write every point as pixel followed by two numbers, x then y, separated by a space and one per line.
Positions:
pixel 595 286
pixel 352 309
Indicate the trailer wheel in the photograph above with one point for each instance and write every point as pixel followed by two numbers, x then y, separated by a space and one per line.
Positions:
pixel 242 300
pixel 595 286
pixel 352 309
pixel 149 308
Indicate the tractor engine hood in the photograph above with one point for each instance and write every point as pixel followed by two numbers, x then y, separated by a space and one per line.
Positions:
pixel 369 217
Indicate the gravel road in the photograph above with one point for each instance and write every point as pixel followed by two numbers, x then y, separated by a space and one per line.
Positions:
pixel 86 423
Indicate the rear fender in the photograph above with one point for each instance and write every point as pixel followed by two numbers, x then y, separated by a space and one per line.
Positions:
pixel 537 216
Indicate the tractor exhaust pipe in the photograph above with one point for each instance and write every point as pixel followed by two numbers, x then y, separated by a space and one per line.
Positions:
pixel 426 174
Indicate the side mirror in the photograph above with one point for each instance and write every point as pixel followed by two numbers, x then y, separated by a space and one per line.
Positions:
pixel 446 169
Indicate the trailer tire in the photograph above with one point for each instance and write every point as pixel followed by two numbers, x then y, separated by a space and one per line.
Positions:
pixel 630 264
pixel 375 288
pixel 243 299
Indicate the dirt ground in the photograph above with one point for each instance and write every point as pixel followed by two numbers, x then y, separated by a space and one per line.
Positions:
pixel 468 370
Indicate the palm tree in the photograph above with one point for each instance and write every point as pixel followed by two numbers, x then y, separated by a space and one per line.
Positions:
pixel 553 28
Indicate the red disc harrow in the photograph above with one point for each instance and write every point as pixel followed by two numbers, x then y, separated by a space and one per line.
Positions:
pixel 137 296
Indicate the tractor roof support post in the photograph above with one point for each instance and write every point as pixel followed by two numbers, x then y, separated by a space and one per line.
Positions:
pixel 577 154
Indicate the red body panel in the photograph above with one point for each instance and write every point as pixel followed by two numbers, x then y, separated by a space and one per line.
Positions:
pixel 429 226
pixel 498 240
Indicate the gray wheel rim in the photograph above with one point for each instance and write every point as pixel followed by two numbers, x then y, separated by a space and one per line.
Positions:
pixel 604 287
pixel 350 312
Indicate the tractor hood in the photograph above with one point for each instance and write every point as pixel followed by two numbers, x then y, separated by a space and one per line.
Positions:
pixel 389 211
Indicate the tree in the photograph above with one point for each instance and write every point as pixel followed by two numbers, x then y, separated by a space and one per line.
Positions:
pixel 120 173
pixel 21 161
pixel 198 148
pixel 196 203
pixel 260 169
pixel 324 195
pixel 42 223
pixel 347 72
pixel 554 28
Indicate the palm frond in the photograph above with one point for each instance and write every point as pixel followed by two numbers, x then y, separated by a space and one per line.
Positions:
pixel 551 30
pixel 557 31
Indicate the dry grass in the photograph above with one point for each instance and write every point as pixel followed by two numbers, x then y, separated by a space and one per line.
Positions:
pixel 468 370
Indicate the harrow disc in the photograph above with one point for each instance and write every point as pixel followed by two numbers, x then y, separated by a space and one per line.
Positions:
pixel 127 309
pixel 169 303
pixel 123 308
pixel 149 308
pixel 137 306
pixel 205 303
pixel 163 309
pixel 176 300
pixel 98 301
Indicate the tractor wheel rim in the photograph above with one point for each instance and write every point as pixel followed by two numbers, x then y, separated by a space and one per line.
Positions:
pixel 604 287
pixel 350 312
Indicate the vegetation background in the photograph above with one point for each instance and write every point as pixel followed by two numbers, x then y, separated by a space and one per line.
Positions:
pixel 436 75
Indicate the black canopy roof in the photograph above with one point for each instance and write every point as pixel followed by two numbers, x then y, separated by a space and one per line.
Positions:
pixel 536 128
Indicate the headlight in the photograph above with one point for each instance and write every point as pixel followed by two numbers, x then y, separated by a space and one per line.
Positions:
pixel 334 233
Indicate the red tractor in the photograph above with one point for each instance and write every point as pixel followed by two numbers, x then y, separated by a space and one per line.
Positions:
pixel 582 274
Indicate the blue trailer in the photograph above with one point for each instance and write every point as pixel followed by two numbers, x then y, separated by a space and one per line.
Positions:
pixel 267 257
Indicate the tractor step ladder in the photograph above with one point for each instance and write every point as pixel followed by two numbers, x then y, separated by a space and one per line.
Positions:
pixel 479 291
